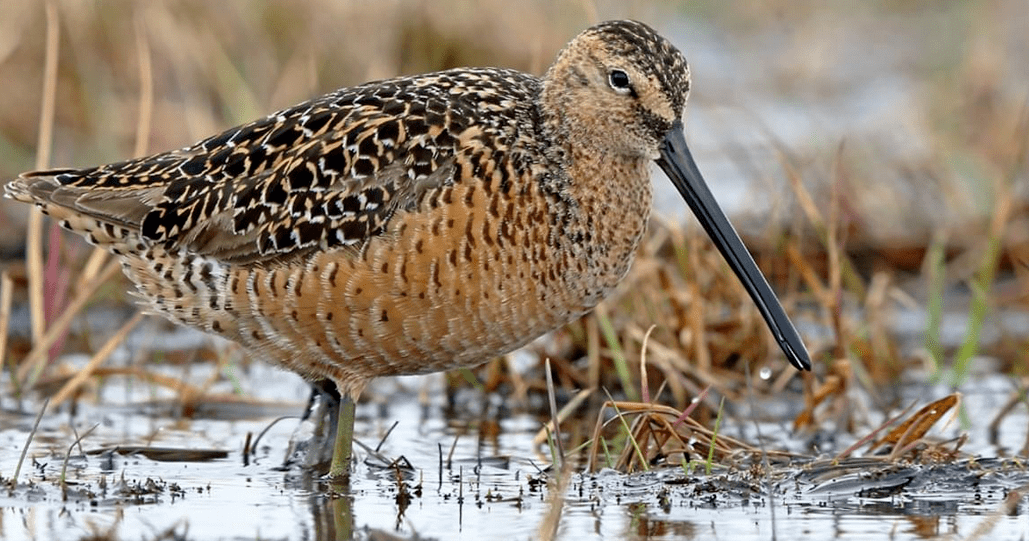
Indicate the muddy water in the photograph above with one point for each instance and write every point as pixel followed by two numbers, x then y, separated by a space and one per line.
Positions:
pixel 492 482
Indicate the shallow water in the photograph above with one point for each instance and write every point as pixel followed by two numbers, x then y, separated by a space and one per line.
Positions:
pixel 493 481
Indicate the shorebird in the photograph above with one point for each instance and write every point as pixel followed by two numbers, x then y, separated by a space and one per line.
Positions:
pixel 414 224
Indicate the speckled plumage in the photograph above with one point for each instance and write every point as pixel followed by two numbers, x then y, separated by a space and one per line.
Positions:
pixel 402 226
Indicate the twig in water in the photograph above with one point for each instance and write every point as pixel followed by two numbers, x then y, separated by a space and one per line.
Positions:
pixel 67 457
pixel 24 450
pixel 553 415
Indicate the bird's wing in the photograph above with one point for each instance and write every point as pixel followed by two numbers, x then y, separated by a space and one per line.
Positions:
pixel 329 172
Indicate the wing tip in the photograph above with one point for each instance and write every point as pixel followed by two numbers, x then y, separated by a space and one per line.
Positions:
pixel 33 187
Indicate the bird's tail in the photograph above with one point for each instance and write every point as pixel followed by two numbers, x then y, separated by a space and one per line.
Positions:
pixel 108 218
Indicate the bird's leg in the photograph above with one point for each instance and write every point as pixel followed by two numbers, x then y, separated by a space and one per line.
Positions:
pixel 343 447
pixel 323 389
pixel 311 449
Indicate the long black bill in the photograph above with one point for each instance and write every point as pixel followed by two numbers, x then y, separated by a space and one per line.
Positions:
pixel 678 164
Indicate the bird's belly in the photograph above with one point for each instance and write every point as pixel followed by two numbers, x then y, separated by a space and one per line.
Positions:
pixel 439 290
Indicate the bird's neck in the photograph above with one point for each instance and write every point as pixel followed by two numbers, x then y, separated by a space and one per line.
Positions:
pixel 613 196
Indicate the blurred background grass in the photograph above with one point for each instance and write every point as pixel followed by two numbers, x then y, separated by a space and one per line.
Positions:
pixel 949 75
pixel 904 122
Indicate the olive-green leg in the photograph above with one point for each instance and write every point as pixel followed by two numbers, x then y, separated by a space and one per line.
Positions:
pixel 342 449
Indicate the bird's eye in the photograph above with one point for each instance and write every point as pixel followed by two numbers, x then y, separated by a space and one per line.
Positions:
pixel 619 80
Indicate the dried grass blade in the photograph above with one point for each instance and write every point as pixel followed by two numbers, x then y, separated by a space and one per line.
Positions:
pixel 34 232
pixel 101 355
pixel 6 285
pixel 919 423
pixel 32 366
